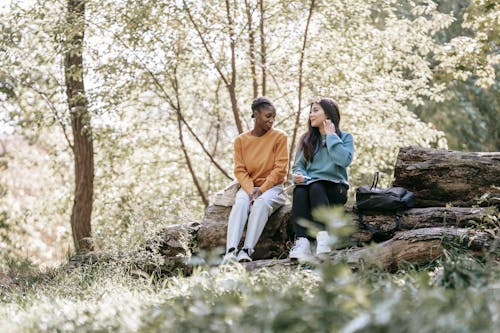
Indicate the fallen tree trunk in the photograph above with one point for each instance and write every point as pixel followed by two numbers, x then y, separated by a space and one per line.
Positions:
pixel 437 177
pixel 273 243
pixel 442 177
pixel 407 247
pixel 277 238
pixel 418 246
pixel 433 217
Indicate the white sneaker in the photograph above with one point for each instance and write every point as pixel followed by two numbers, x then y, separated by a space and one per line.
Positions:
pixel 323 243
pixel 229 257
pixel 244 255
pixel 301 250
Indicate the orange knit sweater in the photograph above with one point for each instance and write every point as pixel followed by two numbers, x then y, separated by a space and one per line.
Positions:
pixel 260 161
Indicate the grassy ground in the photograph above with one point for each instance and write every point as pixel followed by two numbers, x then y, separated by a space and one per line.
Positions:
pixel 456 293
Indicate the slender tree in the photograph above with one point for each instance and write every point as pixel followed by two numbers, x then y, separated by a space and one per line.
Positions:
pixel 251 45
pixel 263 47
pixel 83 150
pixel 301 70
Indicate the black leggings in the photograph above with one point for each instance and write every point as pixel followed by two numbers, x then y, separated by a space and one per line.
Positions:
pixel 306 198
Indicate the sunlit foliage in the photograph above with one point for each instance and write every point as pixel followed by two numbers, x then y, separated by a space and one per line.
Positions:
pixel 155 72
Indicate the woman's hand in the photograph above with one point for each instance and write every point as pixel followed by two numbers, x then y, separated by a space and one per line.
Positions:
pixel 329 127
pixel 298 178
pixel 255 194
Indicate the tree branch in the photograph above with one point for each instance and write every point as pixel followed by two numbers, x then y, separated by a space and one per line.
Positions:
pixel 231 85
pixel 166 96
pixel 181 139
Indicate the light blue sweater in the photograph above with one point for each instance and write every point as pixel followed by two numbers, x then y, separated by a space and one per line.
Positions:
pixel 330 162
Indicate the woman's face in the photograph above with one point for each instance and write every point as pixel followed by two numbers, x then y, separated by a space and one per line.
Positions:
pixel 264 118
pixel 317 115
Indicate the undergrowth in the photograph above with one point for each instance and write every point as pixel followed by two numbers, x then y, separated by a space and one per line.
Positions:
pixel 456 293
pixel 114 292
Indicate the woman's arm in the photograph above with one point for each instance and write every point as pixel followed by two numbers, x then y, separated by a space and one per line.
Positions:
pixel 280 164
pixel 240 169
pixel 341 150
pixel 300 163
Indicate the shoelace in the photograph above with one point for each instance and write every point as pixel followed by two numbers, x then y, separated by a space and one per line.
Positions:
pixel 297 245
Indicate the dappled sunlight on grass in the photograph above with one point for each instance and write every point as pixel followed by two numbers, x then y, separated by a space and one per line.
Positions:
pixel 330 297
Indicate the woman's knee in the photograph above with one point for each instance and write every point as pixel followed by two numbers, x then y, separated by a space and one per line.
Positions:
pixel 339 195
pixel 261 205
pixel 300 192
pixel 317 187
pixel 241 203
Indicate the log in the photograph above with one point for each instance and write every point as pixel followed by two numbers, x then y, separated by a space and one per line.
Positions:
pixel 441 178
pixel 434 217
pixel 418 246
pixel 448 186
pixel 415 247
pixel 184 239
pixel 273 243
pixel 178 240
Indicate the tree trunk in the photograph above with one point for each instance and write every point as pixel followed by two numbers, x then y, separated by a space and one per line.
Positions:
pixel 432 217
pixel 83 150
pixel 407 247
pixel 417 246
pixel 274 241
pixel 232 86
pixel 442 177
pixel 300 87
pixel 252 53
pixel 422 233
pixel 177 107
pixel 278 234
pixel 263 52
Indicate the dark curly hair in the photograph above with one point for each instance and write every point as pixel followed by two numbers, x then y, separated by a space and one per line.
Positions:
pixel 260 103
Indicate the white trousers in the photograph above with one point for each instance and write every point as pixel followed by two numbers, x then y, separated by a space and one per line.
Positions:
pixel 260 211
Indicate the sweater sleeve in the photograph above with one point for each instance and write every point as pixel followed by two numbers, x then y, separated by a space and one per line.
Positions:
pixel 341 150
pixel 300 164
pixel 240 170
pixel 279 171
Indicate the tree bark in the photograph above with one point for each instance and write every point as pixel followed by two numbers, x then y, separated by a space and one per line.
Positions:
pixel 432 217
pixel 263 52
pixel 418 246
pixel 407 247
pixel 277 237
pixel 274 241
pixel 251 45
pixel 444 177
pixel 422 232
pixel 232 84
pixel 83 149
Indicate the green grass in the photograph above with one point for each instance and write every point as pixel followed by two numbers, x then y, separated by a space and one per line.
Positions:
pixel 457 293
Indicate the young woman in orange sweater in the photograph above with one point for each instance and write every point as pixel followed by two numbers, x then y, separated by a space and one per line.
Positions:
pixel 261 160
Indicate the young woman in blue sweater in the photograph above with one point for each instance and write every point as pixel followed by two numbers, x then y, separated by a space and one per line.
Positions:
pixel 319 173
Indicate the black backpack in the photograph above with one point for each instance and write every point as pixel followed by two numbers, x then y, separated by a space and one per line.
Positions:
pixel 387 200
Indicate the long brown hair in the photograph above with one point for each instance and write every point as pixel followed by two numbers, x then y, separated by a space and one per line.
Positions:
pixel 311 140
